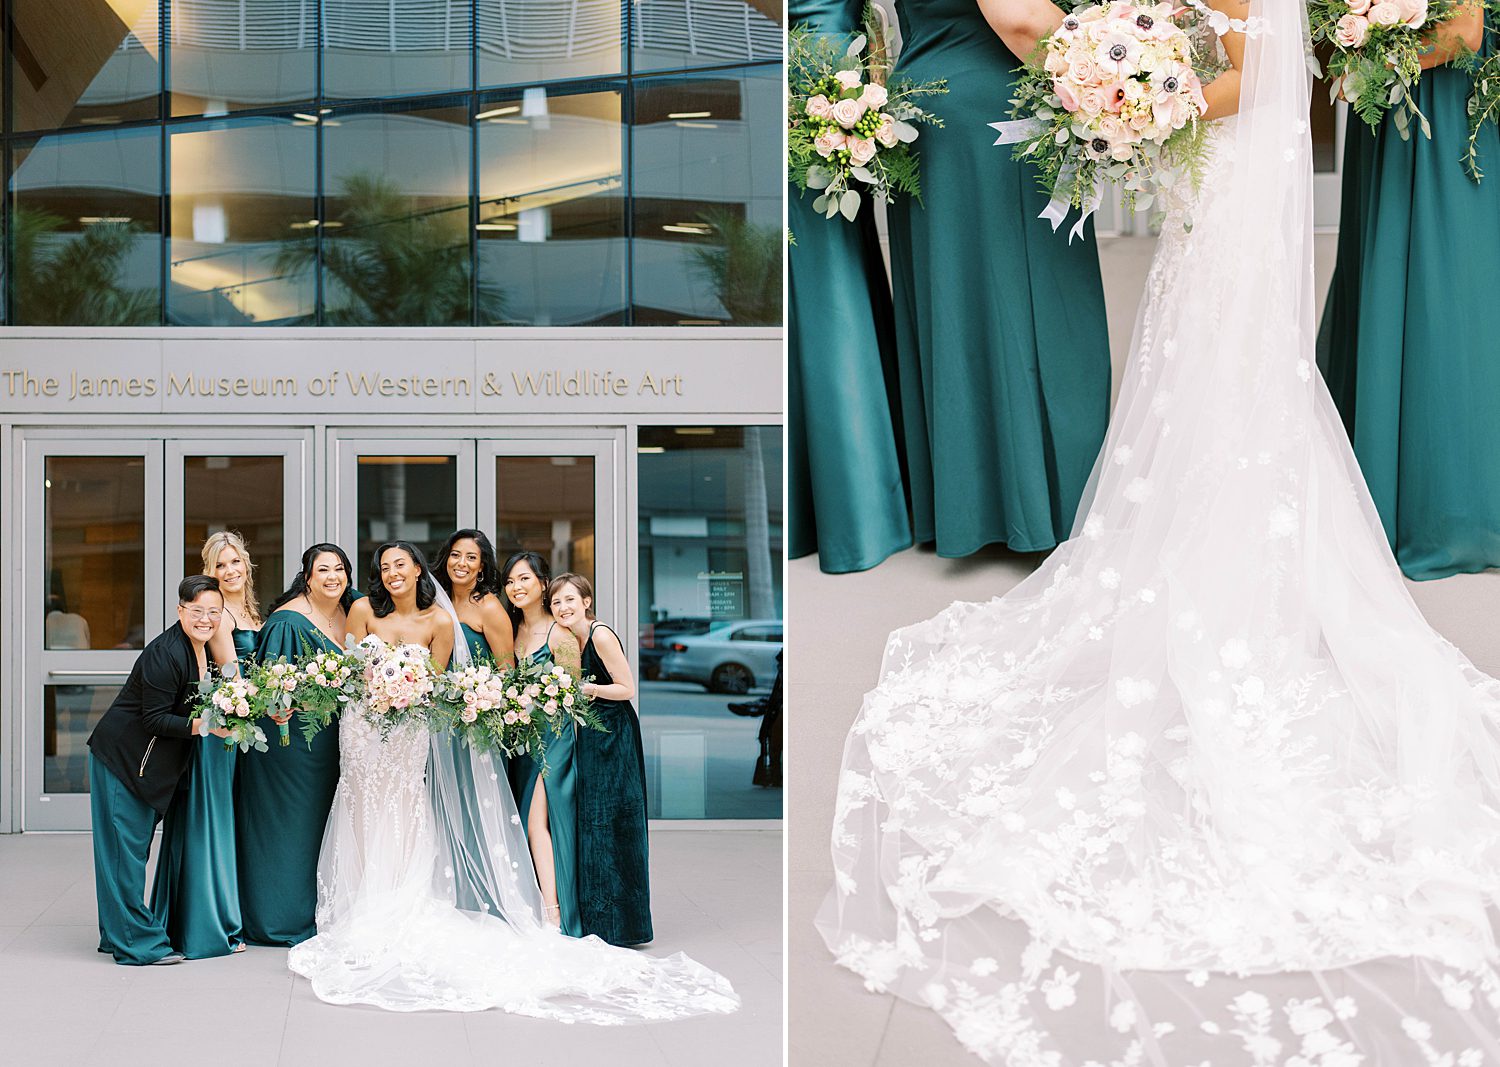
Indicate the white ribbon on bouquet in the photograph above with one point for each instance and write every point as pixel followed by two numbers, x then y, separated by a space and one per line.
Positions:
pixel 1015 131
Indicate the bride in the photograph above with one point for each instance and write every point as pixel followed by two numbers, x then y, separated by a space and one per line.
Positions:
pixel 418 825
pixel 1205 787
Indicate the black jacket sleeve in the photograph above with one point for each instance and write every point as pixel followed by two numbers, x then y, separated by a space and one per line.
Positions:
pixel 164 678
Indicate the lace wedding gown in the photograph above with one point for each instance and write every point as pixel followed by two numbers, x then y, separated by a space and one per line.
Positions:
pixel 1205 788
pixel 404 845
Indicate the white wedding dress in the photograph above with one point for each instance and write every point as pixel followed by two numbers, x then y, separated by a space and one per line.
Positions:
pixel 427 898
pixel 1205 788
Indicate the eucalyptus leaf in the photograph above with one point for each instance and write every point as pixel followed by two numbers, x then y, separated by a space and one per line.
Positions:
pixel 849 204
pixel 906 132
pixel 1062 137
pixel 1397 92
pixel 856 46
pixel 1144 201
pixel 818 177
pixel 820 205
pixel 863 175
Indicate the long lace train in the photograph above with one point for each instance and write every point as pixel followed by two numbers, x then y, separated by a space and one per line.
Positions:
pixel 1206 780
pixel 398 853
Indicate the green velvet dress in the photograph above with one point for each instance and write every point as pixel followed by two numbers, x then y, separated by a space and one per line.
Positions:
pixel 562 811
pixel 847 483
pixel 282 801
pixel 1408 339
pixel 614 882
pixel 1000 326
pixel 196 895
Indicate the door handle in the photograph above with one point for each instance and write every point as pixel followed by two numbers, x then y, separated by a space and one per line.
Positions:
pixel 88 674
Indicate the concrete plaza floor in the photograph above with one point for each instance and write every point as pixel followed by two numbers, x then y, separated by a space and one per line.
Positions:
pixel 716 895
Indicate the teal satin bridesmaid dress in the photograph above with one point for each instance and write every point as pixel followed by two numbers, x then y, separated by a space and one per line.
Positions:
pixel 1408 343
pixel 1000 326
pixel 614 880
pixel 469 897
pixel 282 801
pixel 846 482
pixel 562 810
pixel 196 894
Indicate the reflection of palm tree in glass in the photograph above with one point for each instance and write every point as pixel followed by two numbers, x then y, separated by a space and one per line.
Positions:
pixel 744 265
pixel 77 279
pixel 394 264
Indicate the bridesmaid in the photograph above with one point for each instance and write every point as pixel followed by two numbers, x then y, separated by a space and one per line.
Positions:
pixel 284 794
pixel 196 895
pixel 1000 328
pixel 847 486
pixel 548 807
pixel 1407 343
pixel 614 886
pixel 470 574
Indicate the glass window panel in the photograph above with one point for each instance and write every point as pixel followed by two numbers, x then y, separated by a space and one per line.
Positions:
pixel 522 42
pixel 710 556
pixel 545 504
pixel 96 66
pixel 552 210
pixel 1324 122
pixel 242 250
pixel 94 537
pixel 240 493
pixel 686 34
pixel 404 498
pixel 88 229
pixel 232 54
pixel 396 241
pixel 706 200
pixel 69 715
pixel 376 48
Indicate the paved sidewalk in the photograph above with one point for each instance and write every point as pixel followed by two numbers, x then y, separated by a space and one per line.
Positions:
pixel 716 895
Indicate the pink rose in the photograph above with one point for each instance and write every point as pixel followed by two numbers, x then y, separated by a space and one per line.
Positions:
pixel 861 150
pixel 847 112
pixel 469 714
pixel 825 144
pixel 1359 7
pixel 886 135
pixel 1065 95
pixel 1092 100
pixel 1413 12
pixel 1055 63
pixel 819 107
pixel 1083 70
pixel 849 79
pixel 874 97
pixel 1385 13
pixel 1351 31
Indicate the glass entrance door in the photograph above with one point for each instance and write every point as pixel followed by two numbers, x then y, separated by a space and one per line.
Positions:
pixel 113 523
pixel 548 494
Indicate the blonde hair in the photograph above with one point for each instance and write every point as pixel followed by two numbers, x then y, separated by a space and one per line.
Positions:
pixel 577 581
pixel 217 542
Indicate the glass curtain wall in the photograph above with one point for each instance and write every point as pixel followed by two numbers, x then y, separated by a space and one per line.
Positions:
pixel 392 162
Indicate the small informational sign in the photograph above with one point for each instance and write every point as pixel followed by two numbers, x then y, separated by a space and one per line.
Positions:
pixel 724 592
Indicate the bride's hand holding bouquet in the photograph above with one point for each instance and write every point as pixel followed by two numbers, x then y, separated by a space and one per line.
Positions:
pixel 1115 94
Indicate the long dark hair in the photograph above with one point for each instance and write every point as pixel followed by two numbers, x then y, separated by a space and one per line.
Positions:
pixel 543 571
pixel 489 569
pixel 381 601
pixel 299 583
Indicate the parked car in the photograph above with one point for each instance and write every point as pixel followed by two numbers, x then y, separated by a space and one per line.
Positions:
pixel 731 657
pixel 656 636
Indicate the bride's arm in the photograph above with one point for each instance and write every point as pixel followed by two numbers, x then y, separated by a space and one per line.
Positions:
pixel 1223 93
pixel 360 614
pixel 1464 32
pixel 442 639
pixel 1020 24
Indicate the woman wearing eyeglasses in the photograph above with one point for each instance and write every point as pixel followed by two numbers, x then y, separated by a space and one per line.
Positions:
pixel 196 896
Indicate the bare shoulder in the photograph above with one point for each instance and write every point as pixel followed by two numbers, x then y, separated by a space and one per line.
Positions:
pixel 361 610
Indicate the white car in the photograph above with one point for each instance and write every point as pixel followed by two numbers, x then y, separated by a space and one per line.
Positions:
pixel 732 657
